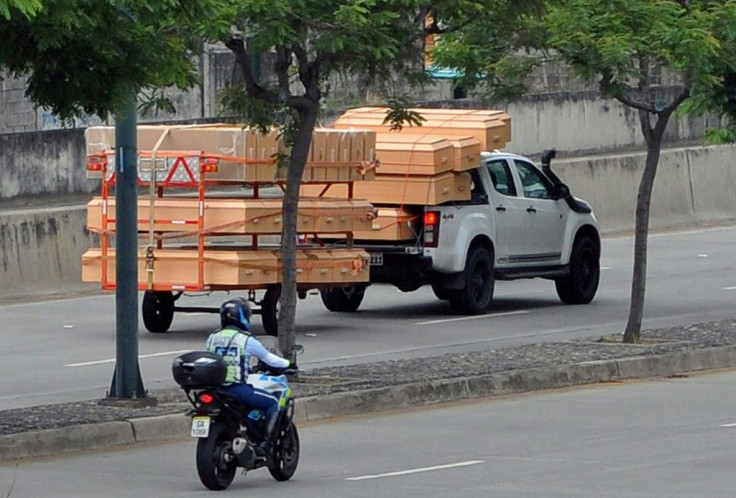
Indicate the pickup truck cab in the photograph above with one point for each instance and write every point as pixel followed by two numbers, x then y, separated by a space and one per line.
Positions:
pixel 521 222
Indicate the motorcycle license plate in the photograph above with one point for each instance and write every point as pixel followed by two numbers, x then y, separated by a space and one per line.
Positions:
pixel 200 426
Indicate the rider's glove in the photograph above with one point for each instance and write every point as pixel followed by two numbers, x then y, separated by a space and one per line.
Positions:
pixel 292 368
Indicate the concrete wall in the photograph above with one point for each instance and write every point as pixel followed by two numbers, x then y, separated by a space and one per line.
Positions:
pixel 43 163
pixel 693 186
pixel 581 121
pixel 41 249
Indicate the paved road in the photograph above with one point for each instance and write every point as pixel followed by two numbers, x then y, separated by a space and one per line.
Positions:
pixel 62 351
pixel 667 438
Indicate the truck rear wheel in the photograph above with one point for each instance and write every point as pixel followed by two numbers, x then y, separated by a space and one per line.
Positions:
pixel 157 310
pixel 476 297
pixel 440 292
pixel 345 299
pixel 580 286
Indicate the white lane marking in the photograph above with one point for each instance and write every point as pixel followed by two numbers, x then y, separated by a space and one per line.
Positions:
pixel 730 288
pixel 476 317
pixel 415 471
pixel 101 362
pixel 728 425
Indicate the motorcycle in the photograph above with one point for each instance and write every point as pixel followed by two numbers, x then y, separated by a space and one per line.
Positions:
pixel 229 434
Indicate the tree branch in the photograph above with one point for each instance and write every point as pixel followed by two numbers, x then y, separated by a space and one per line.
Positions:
pixel 608 86
pixel 236 45
pixel 664 114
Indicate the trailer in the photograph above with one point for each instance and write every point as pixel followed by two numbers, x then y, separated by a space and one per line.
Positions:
pixel 210 216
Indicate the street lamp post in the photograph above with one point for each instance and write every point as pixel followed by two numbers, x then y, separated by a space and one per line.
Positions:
pixel 126 382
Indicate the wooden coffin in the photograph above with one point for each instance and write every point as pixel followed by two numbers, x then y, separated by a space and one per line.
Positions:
pixel 491 128
pixel 180 268
pixel 244 155
pixel 392 224
pixel 466 153
pixel 238 216
pixel 404 154
pixel 402 189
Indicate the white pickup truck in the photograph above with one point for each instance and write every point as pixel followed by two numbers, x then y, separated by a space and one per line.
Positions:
pixel 522 222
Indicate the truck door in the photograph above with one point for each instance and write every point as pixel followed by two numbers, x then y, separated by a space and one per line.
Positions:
pixel 509 213
pixel 546 217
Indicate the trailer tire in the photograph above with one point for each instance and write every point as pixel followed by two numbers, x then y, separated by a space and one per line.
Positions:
pixel 270 310
pixel 476 296
pixel 343 299
pixel 157 310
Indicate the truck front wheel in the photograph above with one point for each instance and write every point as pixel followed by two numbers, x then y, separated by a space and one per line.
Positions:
pixel 476 296
pixel 580 286
pixel 346 299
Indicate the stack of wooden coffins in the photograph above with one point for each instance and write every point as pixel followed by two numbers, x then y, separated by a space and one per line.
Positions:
pixel 419 165
pixel 243 154
pixel 204 238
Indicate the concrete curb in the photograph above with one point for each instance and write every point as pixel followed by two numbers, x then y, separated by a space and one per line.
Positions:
pixel 171 427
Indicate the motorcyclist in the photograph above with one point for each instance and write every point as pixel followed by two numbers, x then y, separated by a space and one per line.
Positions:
pixel 237 346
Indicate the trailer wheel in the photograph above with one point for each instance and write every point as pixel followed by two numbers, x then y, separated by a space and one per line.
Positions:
pixel 270 310
pixel 157 310
pixel 343 299
pixel 476 297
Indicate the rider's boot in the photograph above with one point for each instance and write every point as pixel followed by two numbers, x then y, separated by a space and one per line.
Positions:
pixel 266 446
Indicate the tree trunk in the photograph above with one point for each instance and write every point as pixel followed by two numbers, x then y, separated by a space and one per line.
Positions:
pixel 643 202
pixel 297 161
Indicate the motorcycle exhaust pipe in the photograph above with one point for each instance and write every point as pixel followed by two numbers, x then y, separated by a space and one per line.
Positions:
pixel 244 452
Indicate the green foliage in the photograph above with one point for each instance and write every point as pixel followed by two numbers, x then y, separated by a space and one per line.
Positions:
pixel 24 8
pixel 619 42
pixel 495 50
pixel 399 115
pixel 87 56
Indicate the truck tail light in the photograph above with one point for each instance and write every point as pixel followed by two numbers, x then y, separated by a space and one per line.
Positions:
pixel 431 228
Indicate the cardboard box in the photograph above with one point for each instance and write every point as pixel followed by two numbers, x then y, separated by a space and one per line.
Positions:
pixel 179 268
pixel 402 189
pixel 238 216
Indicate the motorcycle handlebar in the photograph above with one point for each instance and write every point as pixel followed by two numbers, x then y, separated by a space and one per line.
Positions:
pixel 262 367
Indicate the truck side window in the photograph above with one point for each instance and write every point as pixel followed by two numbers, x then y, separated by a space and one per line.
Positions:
pixel 500 173
pixel 535 185
pixel 478 195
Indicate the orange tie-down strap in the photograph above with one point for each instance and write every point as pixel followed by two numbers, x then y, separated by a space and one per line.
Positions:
pixel 362 166
pixel 225 227
pixel 401 219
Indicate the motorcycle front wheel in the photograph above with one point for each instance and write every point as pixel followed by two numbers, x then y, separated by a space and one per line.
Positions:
pixel 285 453
pixel 215 463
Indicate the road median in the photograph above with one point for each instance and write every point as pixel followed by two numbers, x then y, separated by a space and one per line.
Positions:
pixel 390 385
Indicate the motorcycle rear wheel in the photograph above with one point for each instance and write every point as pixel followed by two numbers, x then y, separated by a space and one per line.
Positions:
pixel 285 453
pixel 215 469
